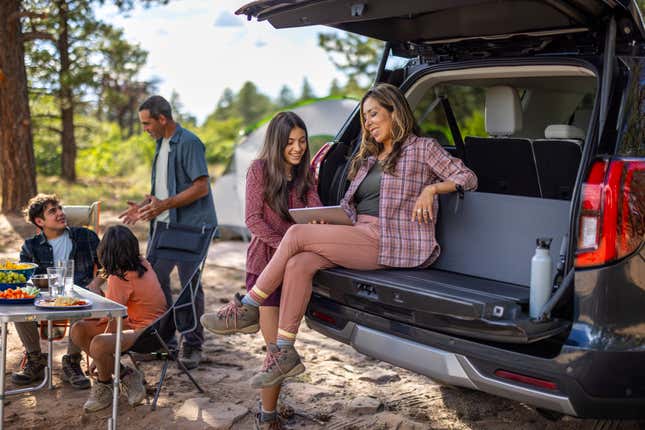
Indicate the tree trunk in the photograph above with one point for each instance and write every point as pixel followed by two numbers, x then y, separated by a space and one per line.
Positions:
pixel 17 166
pixel 68 143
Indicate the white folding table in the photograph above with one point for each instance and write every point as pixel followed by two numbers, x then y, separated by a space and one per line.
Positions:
pixel 101 307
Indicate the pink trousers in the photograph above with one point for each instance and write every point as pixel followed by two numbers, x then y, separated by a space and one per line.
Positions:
pixel 307 248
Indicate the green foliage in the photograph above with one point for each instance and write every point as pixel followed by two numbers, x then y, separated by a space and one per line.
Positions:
pixel 107 154
pixel 474 125
pixel 46 131
pixel 306 92
pixel 316 142
pixel 219 137
pixel 285 97
pixel 356 56
pixel 251 104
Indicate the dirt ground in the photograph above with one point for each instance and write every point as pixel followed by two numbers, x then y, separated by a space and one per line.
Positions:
pixel 341 389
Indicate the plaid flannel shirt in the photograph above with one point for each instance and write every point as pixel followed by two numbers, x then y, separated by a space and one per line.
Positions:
pixel 405 243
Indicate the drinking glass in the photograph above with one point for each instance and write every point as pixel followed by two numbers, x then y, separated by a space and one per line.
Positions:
pixel 68 276
pixel 56 281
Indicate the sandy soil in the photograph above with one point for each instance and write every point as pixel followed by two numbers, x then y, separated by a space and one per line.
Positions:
pixel 341 389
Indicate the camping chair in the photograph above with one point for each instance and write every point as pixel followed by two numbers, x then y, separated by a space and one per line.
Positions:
pixel 186 243
pixel 84 215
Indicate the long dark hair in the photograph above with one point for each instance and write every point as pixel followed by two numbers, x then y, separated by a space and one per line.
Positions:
pixel 403 125
pixel 118 252
pixel 276 185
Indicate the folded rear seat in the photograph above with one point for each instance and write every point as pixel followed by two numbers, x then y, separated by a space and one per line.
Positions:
pixel 503 165
pixel 557 158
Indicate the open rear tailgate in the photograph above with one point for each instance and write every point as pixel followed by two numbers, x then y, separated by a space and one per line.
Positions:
pixel 441 301
pixel 432 20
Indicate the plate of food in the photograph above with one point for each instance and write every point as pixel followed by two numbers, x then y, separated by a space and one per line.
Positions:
pixel 19 296
pixel 63 302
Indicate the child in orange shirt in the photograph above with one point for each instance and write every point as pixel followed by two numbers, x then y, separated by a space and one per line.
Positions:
pixel 132 283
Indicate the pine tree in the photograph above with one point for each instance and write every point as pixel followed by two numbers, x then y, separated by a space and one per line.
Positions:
pixel 285 97
pixel 306 91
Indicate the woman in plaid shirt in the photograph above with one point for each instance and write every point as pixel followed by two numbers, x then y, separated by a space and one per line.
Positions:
pixel 392 199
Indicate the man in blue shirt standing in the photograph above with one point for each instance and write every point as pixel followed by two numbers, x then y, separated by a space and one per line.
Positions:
pixel 56 242
pixel 181 194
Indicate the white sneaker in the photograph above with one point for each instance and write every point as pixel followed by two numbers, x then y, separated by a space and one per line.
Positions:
pixel 100 397
pixel 132 386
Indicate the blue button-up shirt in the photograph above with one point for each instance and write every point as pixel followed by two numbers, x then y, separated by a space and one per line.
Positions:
pixel 186 163
pixel 84 243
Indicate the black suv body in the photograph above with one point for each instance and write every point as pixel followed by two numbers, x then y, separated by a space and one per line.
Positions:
pixel 573 169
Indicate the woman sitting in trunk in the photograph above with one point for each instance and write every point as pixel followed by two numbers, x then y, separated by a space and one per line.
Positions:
pixel 392 198
pixel 132 283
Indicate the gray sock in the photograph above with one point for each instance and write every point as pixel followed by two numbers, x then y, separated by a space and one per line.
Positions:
pixel 268 416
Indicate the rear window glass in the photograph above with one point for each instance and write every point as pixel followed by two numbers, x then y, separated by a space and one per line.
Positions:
pixel 467 104
pixel 566 101
pixel 633 138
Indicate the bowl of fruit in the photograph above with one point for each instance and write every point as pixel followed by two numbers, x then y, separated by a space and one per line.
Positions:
pixel 11 280
pixel 25 269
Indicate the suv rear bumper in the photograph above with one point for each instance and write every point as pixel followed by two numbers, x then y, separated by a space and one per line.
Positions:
pixel 465 363
pixel 447 367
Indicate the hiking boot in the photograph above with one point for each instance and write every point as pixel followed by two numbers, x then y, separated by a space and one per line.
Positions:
pixel 279 363
pixel 133 386
pixel 274 424
pixel 190 357
pixel 233 318
pixel 72 372
pixel 100 397
pixel 33 371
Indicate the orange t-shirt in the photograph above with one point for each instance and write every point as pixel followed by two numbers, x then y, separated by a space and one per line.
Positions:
pixel 141 295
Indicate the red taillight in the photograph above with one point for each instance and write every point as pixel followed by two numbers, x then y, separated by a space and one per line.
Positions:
pixel 536 382
pixel 611 212
pixel 324 317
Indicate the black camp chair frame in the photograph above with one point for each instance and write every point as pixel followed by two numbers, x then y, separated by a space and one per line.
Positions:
pixel 153 339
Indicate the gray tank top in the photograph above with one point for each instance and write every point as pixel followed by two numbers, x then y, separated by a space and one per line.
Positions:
pixel 368 192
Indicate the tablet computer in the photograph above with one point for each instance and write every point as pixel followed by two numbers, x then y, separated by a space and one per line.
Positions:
pixel 330 214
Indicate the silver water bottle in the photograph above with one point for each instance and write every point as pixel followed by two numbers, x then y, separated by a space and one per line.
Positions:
pixel 541 279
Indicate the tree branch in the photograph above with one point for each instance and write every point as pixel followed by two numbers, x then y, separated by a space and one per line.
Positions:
pixel 48 127
pixel 37 35
pixel 45 115
pixel 32 15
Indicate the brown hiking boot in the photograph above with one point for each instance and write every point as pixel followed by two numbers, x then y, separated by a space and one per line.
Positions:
pixel 233 318
pixel 72 372
pixel 133 386
pixel 33 371
pixel 274 424
pixel 279 363
pixel 100 397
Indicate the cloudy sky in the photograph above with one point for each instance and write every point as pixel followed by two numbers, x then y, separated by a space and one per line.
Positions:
pixel 199 47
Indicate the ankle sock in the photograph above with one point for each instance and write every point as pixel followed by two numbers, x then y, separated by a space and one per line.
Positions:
pixel 268 415
pixel 248 300
pixel 285 343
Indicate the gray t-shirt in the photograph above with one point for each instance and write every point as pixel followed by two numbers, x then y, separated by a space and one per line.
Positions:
pixel 161 180
pixel 61 247
pixel 368 192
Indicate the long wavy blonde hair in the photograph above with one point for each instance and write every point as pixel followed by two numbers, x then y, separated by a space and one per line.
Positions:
pixel 403 124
